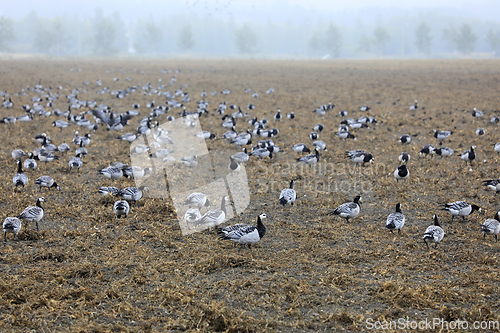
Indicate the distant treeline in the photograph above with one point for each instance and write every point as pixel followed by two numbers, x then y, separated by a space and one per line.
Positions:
pixel 432 35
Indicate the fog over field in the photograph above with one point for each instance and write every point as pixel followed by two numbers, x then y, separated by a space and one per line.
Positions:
pixel 252 29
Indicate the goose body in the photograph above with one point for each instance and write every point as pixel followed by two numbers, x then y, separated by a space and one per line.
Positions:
pixel 288 195
pixel 441 135
pixel 469 155
pixel 404 157
pixel 349 209
pixel 427 150
pixel 121 209
pixel 434 233
pixel 444 151
pixel 20 178
pixel 11 225
pixel 46 181
pixel 192 215
pixel 311 158
pixel 244 234
pixel 460 208
pixel 108 190
pixel 18 154
pixel 360 156
pixel 300 148
pixel 491 227
pixel 396 220
pixel 214 217
pixel 345 135
pixel 493 184
pixel 33 213
pixel 132 193
pixel 113 173
pixel 405 139
pixel 30 162
pixel 240 157
pixel 401 173
pixel 75 163
pixel 197 200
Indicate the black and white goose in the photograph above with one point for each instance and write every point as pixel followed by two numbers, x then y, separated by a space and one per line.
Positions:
pixel 288 195
pixel 262 152
pixel 20 178
pixel 413 106
pixel 197 200
pixel 113 173
pixel 494 120
pixel 278 116
pixel 85 140
pixel 60 124
pixel 190 161
pixel 404 157
pixel 233 165
pixel 360 156
pixel 63 148
pixel 46 181
pixel 33 213
pixel 129 137
pixel 345 135
pixel 476 113
pixel 404 139
pixel 290 115
pixel 460 208
pixel 441 135
pixel 493 184
pixel 427 150
pixel 30 162
pixel 364 108
pixel 434 233
pixel 319 145
pixel 108 190
pixel 230 134
pixel 480 131
pixel 497 147
pixel 318 128
pixel 18 154
pixel 75 163
pixel 11 225
pixel 469 155
pixel 244 234
pixel 396 220
pixel 444 151
pixel 214 217
pixel 43 138
pixel 300 148
pixel 348 210
pixel 314 136
pixel 311 158
pixel 240 157
pixel 121 208
pixel 132 193
pixel 491 227
pixel 401 173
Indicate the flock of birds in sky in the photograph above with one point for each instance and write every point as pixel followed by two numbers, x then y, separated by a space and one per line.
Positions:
pixel 262 138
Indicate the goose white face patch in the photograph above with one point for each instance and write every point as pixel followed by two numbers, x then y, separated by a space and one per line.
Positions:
pixel 210 175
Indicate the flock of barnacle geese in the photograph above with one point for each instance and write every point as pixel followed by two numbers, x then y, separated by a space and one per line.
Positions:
pixel 243 234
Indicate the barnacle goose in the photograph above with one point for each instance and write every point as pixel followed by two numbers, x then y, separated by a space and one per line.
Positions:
pixel 197 200
pixel 230 134
pixel 30 162
pixel 402 173
pixel 318 128
pixel 319 145
pixel 300 148
pixel 192 215
pixel 314 135
pixel 46 156
pixel 85 140
pixel 46 181
pixel 404 158
pixel 480 131
pixel 75 162
pixel 345 135
pixel 493 184
pixel 497 147
pixel 121 208
pixel 413 106
pixel 396 220
pixel 76 140
pixel 434 233
pixel 18 154
pixel 33 213
pixel 349 209
pixel 206 135
pixel 82 151
pixel 240 157
pixel 494 120
pixel 288 195
pixel 365 108
pixel 134 172
pixel 129 137
pixel 357 125
pixel 311 158
pixel 244 234
pixel 428 149
pixel 278 116
pixel 60 124
pixel 113 173
pixel 290 115
pixel 20 178
pixel 63 148
pixel 441 135
pixel 43 138
pixel 132 193
pixel 444 151
pixel 491 227
pixel 476 113
pixel 11 225
pixel 360 156
pixel 262 152
pixel 214 217
pixel 460 208
pixel 405 139
pixel 190 161
pixel 469 155
pixel 343 113
pixel 108 190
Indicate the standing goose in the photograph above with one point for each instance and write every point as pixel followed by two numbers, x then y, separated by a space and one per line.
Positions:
pixel 46 181
pixel 396 220
pixel 121 208
pixel 404 158
pixel 288 195
pixel 132 193
pixel 434 233
pixel 18 154
pixel 311 158
pixel 460 208
pixel 469 155
pixel 491 227
pixel 20 178
pixel 113 173
pixel 75 162
pixel 401 173
pixel 11 225
pixel 278 116
pixel 493 184
pixel 349 209
pixel 30 162
pixel 214 217
pixel 244 234
pixel 240 157
pixel 63 148
pixel 82 151
pixel 33 213
pixel 197 200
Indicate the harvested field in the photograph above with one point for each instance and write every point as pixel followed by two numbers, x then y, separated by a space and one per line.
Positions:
pixel 84 271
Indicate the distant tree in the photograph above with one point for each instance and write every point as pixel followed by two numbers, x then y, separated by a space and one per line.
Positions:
pixel 246 40
pixel 44 38
pixel 449 36
pixel 333 40
pixel 6 34
pixel 365 44
pixel 314 42
pixel 186 41
pixel 60 36
pixel 153 35
pixel 493 38
pixel 381 38
pixel 104 38
pixel 465 39
pixel 423 38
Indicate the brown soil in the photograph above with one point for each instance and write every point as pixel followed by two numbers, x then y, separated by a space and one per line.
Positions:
pixel 311 272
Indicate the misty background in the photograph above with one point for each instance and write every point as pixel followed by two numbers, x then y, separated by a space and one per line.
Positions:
pixel 287 29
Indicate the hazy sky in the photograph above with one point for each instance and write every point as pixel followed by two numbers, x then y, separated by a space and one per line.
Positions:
pixel 275 10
